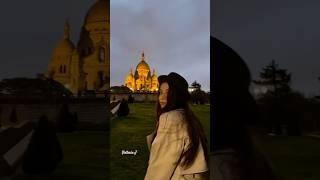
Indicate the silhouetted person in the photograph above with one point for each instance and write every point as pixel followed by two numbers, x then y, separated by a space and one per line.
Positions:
pixel 65 122
pixel 130 99
pixel 123 108
pixel 234 110
pixel 44 151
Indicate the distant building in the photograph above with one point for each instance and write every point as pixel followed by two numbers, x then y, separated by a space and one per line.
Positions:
pixel 84 67
pixel 142 80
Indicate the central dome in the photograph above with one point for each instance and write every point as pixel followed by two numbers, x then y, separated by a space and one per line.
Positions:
pixel 99 12
pixel 143 65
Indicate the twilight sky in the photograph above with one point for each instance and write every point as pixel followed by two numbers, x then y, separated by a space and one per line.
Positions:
pixel 173 34
pixel 287 31
pixel 31 29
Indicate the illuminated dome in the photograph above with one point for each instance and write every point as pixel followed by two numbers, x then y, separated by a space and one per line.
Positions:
pixel 98 12
pixel 154 77
pixel 64 46
pixel 142 64
pixel 130 75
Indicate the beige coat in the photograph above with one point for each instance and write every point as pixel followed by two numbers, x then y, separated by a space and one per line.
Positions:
pixel 171 141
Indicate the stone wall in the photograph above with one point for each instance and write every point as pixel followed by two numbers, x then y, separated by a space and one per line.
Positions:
pixel 88 110
pixel 138 97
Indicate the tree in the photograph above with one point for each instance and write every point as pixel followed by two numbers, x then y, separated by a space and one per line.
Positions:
pixel 33 87
pixel 196 85
pixel 198 96
pixel 278 81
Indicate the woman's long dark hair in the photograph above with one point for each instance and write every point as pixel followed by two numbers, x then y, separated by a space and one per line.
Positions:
pixel 177 100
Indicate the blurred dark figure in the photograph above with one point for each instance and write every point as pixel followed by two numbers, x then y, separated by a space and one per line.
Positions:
pixel 234 110
pixel 66 121
pixel 130 99
pixel 44 151
pixel 123 108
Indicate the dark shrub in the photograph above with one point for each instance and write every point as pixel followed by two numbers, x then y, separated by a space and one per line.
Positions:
pixel 44 151
pixel 123 109
pixel 199 97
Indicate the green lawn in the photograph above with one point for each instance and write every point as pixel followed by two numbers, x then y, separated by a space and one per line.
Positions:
pixel 292 158
pixel 129 133
pixel 85 157
pixel 86 153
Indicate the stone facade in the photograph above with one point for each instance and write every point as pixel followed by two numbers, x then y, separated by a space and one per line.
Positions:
pixel 142 80
pixel 87 65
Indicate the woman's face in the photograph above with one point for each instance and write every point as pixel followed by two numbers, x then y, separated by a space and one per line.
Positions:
pixel 163 94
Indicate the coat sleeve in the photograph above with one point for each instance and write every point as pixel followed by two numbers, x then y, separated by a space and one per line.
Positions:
pixel 166 148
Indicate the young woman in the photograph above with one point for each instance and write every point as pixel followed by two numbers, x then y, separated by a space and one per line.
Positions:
pixel 178 147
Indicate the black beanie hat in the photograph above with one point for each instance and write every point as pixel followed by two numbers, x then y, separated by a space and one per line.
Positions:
pixel 178 82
